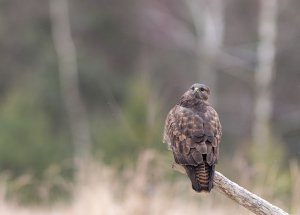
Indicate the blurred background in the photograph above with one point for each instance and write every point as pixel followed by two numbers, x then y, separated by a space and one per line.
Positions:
pixel 85 87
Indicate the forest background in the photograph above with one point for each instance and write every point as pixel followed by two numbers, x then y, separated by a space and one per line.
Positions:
pixel 85 87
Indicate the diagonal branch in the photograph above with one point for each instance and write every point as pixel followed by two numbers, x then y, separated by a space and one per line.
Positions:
pixel 240 195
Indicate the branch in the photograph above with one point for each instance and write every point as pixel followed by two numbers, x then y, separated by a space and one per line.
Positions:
pixel 240 195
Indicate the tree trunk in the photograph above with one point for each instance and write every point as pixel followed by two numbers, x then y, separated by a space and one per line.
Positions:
pixel 68 77
pixel 207 17
pixel 265 71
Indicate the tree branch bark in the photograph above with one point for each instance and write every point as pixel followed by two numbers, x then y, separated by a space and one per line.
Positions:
pixel 240 195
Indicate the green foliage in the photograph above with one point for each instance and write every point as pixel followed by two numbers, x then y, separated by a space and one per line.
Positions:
pixel 271 175
pixel 135 126
pixel 30 152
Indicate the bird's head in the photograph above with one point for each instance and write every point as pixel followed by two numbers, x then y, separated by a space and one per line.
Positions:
pixel 195 94
pixel 200 91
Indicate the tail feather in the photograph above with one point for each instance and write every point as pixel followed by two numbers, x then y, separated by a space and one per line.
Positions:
pixel 201 176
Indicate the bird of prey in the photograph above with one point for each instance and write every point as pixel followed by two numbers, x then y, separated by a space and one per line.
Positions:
pixel 193 132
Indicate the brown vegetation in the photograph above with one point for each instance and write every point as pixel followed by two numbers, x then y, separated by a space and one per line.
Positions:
pixel 142 190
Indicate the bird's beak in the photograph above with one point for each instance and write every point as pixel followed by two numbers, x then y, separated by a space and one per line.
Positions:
pixel 197 92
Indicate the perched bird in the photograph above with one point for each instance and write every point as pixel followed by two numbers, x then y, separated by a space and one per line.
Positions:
pixel 193 132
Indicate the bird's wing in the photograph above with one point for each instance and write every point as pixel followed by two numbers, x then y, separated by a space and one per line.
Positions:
pixel 191 135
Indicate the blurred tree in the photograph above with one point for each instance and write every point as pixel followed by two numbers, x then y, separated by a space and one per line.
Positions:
pixel 67 62
pixel 208 20
pixel 265 72
pixel 29 148
pixel 131 127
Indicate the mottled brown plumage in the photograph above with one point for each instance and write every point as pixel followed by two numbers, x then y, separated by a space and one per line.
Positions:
pixel 193 133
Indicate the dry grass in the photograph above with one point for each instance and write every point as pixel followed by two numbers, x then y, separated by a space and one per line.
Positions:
pixel 141 190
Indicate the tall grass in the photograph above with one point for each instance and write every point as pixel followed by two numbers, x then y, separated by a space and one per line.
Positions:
pixel 143 189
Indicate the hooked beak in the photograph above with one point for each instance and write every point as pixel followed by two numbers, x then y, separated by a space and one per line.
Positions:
pixel 197 92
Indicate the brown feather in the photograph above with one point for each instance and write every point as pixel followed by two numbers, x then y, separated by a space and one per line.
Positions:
pixel 193 133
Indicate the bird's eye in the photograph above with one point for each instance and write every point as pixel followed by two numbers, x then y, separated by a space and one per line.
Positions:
pixel 193 88
pixel 202 89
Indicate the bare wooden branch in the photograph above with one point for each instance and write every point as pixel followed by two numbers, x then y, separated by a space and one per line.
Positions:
pixel 240 195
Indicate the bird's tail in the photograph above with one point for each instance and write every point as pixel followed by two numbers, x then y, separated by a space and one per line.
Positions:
pixel 201 176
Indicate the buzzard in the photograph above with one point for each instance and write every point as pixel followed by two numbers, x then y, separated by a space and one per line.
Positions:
pixel 193 132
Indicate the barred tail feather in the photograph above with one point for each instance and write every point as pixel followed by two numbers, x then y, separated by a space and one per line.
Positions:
pixel 201 176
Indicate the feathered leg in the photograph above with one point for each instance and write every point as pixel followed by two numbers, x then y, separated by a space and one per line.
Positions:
pixel 201 176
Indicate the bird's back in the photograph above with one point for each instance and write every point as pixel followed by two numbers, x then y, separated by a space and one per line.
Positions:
pixel 193 132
